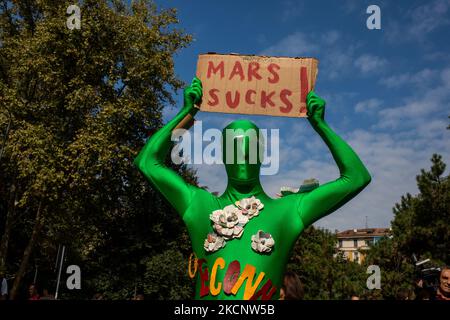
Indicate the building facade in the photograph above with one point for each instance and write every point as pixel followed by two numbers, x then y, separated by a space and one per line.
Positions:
pixel 353 243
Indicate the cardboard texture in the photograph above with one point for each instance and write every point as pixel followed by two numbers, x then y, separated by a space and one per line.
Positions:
pixel 243 84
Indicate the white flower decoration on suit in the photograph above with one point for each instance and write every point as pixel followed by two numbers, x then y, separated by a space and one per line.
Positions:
pixel 250 207
pixel 262 242
pixel 227 222
pixel 213 242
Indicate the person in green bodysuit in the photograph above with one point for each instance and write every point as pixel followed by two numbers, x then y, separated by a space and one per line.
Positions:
pixel 244 231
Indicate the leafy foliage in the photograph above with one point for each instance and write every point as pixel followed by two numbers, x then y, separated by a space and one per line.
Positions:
pixel 421 223
pixel 81 104
pixel 420 227
pixel 324 272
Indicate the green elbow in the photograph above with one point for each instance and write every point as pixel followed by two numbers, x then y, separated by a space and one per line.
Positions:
pixel 365 178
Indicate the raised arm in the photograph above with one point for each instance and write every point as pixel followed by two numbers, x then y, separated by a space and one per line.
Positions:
pixel 151 158
pixel 354 176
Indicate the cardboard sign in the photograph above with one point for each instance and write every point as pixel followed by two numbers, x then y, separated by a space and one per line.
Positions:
pixel 275 86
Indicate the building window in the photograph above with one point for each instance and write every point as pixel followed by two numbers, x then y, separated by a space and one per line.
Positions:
pixel 355 243
pixel 370 242
pixel 340 243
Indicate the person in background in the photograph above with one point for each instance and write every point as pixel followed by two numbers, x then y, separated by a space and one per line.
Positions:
pixel 404 294
pixel 443 292
pixel 97 296
pixel 292 288
pixel 33 293
pixel 423 294
pixel 3 286
pixel 139 296
pixel 46 295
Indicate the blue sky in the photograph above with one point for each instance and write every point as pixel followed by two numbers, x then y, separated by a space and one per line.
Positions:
pixel 387 91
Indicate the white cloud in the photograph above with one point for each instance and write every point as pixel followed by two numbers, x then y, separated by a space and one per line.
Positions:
pixel 420 78
pixel 417 23
pixel 368 63
pixel 418 106
pixel 368 106
pixel 438 56
pixel 291 9
pixel 294 45
pixel 337 61
pixel 428 17
pixel 330 37
pixel 393 162
pixel 351 6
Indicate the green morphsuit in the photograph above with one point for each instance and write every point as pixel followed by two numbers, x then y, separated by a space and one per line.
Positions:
pixel 281 220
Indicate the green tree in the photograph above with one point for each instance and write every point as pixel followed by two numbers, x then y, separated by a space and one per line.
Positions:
pixel 81 103
pixel 397 270
pixel 420 227
pixel 324 272
pixel 167 278
pixel 421 223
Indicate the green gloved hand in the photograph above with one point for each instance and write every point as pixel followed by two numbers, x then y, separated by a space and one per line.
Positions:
pixel 193 96
pixel 316 108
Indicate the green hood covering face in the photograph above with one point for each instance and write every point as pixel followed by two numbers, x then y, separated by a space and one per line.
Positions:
pixel 242 150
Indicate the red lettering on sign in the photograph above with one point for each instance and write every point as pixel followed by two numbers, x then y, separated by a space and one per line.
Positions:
pixel 253 68
pixel 284 98
pixel 231 276
pixel 263 291
pixel 248 98
pixel 204 289
pixel 237 69
pixel 303 85
pixel 232 103
pixel 214 70
pixel 265 99
pixel 215 98
pixel 273 68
